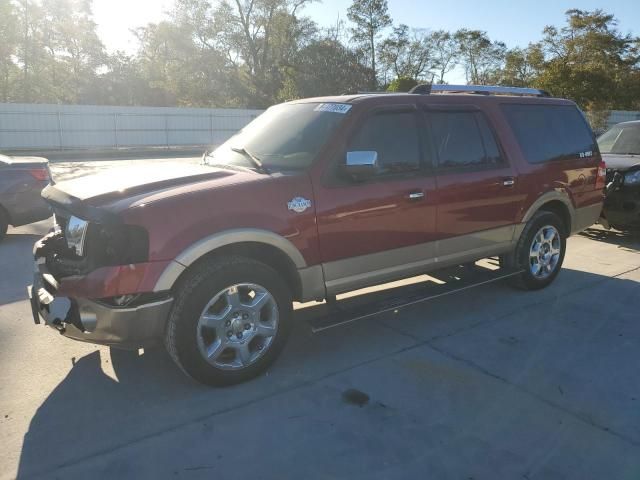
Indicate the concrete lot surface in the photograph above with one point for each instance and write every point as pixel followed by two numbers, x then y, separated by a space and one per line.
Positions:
pixel 492 383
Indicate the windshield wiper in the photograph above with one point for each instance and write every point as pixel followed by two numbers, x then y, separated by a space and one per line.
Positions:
pixel 255 160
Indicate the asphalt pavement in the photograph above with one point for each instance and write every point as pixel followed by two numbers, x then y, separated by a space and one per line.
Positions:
pixel 491 383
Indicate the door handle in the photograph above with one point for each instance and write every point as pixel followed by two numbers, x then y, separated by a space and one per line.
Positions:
pixel 415 195
pixel 509 182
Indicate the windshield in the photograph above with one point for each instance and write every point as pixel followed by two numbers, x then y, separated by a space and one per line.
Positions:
pixel 621 139
pixel 285 137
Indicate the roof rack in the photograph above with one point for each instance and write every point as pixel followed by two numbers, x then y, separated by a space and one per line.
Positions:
pixel 426 89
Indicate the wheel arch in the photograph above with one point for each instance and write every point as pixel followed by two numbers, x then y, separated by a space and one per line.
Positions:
pixel 555 202
pixel 261 245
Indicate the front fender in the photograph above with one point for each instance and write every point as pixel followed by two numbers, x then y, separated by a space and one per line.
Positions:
pixel 213 242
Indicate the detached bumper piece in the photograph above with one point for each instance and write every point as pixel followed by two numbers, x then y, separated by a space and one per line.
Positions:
pixel 56 312
pixel 95 322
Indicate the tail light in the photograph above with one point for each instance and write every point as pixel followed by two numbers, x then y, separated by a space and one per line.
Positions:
pixel 41 174
pixel 601 178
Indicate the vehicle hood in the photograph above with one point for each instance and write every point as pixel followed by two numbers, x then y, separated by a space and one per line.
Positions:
pixel 121 184
pixel 620 162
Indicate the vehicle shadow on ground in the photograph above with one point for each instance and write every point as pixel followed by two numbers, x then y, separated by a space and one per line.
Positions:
pixel 17 271
pixel 627 240
pixel 90 412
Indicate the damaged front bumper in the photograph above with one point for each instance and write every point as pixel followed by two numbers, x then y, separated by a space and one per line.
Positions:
pixel 88 320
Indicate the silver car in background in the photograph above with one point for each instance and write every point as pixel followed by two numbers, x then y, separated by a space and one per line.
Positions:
pixel 21 181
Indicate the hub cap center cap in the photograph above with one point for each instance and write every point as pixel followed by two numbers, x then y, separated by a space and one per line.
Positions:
pixel 237 325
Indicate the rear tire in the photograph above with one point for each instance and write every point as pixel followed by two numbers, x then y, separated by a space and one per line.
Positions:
pixel 540 251
pixel 230 320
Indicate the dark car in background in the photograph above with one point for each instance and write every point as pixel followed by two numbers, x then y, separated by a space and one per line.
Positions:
pixel 620 148
pixel 21 182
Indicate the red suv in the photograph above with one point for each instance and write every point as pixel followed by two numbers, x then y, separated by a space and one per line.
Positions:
pixel 315 197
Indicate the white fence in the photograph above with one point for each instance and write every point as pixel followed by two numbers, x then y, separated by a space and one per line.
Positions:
pixel 60 127
pixel 617 116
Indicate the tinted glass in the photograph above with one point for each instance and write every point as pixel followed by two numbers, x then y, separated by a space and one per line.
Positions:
pixel 550 132
pixel 287 136
pixel 463 139
pixel 621 139
pixel 395 137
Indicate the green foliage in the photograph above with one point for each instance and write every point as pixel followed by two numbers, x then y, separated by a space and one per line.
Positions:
pixel 445 53
pixel 407 53
pixel 325 67
pixel 481 57
pixel 402 84
pixel 253 53
pixel 370 18
pixel 591 62
pixel 8 48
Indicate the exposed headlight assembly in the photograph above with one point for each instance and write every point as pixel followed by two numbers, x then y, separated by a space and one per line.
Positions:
pixel 632 178
pixel 75 234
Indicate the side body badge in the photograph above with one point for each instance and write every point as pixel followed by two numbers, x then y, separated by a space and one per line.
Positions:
pixel 298 204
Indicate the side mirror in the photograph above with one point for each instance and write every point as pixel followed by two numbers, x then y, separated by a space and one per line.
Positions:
pixel 361 164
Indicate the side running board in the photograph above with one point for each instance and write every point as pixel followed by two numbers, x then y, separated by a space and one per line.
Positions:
pixel 443 282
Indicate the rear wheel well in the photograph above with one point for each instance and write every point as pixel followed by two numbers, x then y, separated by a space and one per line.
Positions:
pixel 261 252
pixel 561 210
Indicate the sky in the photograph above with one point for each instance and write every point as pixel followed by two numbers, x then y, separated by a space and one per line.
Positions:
pixel 512 21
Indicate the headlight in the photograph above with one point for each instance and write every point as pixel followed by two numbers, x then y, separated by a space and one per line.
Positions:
pixel 632 178
pixel 75 233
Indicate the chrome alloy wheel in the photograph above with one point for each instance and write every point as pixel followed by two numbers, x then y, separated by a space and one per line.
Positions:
pixel 544 254
pixel 237 326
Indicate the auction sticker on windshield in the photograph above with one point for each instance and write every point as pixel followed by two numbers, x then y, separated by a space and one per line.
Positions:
pixel 342 108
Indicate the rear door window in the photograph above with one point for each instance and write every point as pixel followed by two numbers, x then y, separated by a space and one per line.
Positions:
pixel 550 132
pixel 463 140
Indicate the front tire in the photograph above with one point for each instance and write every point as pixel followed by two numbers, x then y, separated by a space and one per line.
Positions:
pixel 540 251
pixel 230 320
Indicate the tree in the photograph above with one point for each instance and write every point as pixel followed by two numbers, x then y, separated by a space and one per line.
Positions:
pixel 402 84
pixel 8 49
pixel 74 50
pixel 444 50
pixel 370 18
pixel 522 66
pixel 325 67
pixel 406 53
pixel 267 32
pixel 482 58
pixel 590 61
pixel 30 52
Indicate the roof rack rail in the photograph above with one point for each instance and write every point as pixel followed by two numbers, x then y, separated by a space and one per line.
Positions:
pixel 426 89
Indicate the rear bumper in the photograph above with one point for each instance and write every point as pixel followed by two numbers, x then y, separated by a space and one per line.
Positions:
pixel 26 206
pixel 90 321
pixel 35 212
pixel 584 217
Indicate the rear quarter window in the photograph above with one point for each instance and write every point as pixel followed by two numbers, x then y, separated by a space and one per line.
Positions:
pixel 550 132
